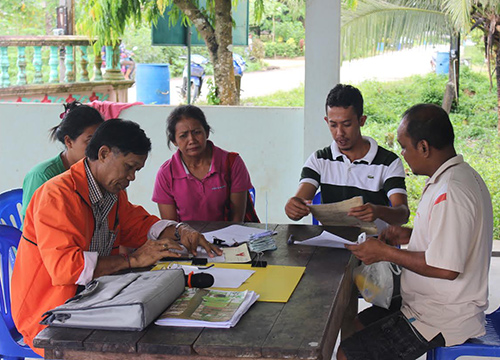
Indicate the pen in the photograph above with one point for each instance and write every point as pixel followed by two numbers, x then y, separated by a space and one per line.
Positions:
pixel 290 240
pixel 206 267
pixel 172 258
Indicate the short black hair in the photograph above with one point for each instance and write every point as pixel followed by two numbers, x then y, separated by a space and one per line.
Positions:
pixel 429 122
pixel 75 119
pixel 185 112
pixel 117 134
pixel 344 96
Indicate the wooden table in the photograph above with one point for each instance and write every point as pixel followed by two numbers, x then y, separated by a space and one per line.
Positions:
pixel 306 327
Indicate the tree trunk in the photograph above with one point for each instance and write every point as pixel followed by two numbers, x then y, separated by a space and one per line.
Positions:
pixel 48 18
pixel 449 95
pixel 219 43
pixel 223 66
pixel 454 73
pixel 497 70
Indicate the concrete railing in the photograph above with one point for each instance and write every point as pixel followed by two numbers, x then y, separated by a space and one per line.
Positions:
pixel 68 70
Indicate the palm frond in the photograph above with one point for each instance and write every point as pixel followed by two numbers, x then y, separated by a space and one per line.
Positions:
pixel 460 12
pixel 391 23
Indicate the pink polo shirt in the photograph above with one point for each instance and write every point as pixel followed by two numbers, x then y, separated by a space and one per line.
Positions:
pixel 205 199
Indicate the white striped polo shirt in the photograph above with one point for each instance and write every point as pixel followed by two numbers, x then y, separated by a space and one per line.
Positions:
pixel 376 176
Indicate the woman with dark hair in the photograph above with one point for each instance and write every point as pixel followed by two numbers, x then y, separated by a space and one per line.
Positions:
pixel 201 181
pixel 75 130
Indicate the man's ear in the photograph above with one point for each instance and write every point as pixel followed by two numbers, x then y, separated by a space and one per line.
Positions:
pixel 326 120
pixel 362 120
pixel 424 148
pixel 103 153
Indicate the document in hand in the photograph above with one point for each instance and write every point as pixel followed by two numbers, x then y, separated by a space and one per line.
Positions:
pixel 326 239
pixel 208 308
pixel 335 214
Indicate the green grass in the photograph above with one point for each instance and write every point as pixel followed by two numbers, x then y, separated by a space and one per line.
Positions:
pixel 474 119
pixel 292 98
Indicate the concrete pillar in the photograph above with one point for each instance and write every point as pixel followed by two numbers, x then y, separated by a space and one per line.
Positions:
pixel 322 69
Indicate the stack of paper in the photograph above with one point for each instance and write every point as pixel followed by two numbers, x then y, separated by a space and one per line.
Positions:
pixel 208 308
pixel 239 254
pixel 233 234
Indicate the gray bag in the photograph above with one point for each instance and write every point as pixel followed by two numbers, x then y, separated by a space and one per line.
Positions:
pixel 120 302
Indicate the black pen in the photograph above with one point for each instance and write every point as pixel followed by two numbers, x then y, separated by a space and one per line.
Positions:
pixel 173 258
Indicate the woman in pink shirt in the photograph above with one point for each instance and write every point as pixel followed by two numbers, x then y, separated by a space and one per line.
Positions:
pixel 201 181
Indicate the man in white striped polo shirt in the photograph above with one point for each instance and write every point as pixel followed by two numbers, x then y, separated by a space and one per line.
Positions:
pixel 353 165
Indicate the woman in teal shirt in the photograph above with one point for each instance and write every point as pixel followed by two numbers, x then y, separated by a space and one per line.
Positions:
pixel 75 130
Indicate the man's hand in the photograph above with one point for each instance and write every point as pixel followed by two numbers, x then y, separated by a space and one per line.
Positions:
pixel 152 251
pixel 370 251
pixel 395 235
pixel 365 212
pixel 191 238
pixel 296 208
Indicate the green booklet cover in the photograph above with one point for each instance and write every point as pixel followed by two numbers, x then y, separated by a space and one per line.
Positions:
pixel 208 308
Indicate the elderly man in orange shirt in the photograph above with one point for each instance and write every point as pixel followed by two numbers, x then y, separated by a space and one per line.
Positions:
pixel 76 222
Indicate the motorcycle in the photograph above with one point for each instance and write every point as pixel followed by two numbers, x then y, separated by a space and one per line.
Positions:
pixel 198 73
pixel 239 64
pixel 197 76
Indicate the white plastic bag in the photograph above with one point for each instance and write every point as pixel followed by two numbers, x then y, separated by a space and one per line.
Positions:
pixel 375 282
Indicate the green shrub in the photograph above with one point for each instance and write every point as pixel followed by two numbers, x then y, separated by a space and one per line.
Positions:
pixel 290 48
pixel 290 30
pixel 258 51
pixel 212 96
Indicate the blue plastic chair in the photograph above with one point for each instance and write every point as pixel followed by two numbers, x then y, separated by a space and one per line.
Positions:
pixel 11 203
pixel 316 201
pixel 11 342
pixel 485 346
pixel 252 195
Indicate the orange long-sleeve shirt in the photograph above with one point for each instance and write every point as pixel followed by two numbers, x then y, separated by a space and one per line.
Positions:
pixel 57 230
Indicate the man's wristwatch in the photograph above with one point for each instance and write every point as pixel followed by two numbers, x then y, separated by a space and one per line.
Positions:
pixel 177 233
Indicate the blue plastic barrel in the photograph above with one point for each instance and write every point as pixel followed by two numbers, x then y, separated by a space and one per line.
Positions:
pixel 153 83
pixel 442 62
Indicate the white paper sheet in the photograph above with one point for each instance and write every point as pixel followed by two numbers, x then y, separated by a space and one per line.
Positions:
pixel 233 234
pixel 326 239
pixel 223 278
pixel 238 254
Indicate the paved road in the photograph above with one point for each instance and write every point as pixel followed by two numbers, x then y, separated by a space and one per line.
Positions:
pixel 286 74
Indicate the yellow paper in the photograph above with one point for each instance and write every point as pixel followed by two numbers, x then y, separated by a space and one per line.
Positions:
pixel 274 283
